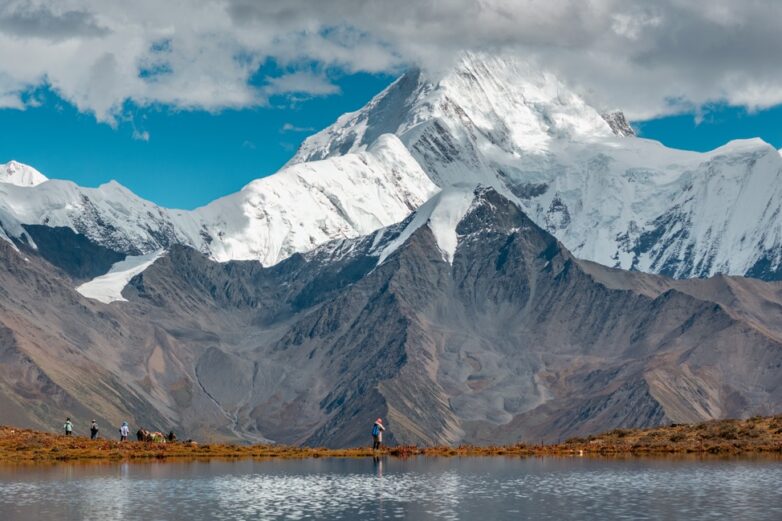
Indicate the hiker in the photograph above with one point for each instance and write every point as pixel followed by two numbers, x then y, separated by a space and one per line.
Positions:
pixel 93 430
pixel 68 426
pixel 377 434
pixel 123 431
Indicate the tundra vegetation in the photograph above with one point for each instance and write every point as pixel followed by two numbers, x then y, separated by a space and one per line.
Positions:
pixel 757 435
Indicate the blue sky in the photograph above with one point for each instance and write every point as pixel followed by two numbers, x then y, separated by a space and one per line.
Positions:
pixel 715 126
pixel 193 157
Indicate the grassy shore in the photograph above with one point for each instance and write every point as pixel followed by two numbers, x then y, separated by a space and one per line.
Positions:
pixel 760 435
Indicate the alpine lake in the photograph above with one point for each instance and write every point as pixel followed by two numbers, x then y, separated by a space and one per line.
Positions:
pixel 419 488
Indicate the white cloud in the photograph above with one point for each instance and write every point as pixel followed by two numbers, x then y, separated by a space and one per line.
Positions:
pixel 28 20
pixel 140 135
pixel 631 54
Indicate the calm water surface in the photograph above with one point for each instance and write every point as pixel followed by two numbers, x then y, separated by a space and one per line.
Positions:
pixel 421 488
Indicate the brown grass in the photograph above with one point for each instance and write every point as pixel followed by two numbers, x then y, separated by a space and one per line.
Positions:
pixel 755 435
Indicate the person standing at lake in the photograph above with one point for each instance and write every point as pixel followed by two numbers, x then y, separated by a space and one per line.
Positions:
pixel 377 434
pixel 68 426
pixel 93 430
pixel 123 431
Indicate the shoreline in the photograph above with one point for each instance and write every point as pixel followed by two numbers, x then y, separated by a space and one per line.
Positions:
pixel 759 436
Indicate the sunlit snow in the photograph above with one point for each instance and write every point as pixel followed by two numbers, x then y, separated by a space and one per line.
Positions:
pixel 108 288
pixel 16 173
pixel 442 213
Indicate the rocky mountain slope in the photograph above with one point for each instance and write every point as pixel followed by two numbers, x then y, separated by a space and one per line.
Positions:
pixel 580 174
pixel 466 322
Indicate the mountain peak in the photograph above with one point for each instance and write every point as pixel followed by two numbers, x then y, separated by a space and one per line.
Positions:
pixel 502 98
pixel 19 174
pixel 456 212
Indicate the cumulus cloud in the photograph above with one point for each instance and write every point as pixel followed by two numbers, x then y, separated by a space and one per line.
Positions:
pixel 648 57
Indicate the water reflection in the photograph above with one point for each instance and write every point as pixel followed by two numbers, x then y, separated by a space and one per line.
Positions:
pixel 378 461
pixel 447 489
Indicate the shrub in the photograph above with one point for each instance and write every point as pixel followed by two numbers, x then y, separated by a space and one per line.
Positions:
pixel 728 432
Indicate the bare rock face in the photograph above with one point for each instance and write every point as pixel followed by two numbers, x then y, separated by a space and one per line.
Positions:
pixel 618 123
pixel 465 322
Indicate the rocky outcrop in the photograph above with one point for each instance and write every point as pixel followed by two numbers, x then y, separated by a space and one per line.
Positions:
pixel 618 123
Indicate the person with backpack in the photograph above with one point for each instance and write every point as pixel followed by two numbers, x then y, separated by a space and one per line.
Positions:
pixel 377 434
pixel 93 430
pixel 123 431
pixel 68 426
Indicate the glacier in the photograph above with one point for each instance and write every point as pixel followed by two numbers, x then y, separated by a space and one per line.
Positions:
pixel 108 288
pixel 442 213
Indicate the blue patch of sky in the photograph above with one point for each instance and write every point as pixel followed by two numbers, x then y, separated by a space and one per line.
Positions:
pixel 714 126
pixel 157 65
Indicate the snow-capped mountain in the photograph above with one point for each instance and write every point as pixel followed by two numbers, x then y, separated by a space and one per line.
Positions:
pixel 609 196
pixel 307 204
pixel 16 173
pixel 483 100
pixel 294 210
pixel 578 172
pixel 110 215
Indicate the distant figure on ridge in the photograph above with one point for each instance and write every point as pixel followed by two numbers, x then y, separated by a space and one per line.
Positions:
pixel 123 431
pixel 93 430
pixel 377 434
pixel 68 426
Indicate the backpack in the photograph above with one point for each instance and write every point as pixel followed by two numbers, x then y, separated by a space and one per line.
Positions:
pixel 375 430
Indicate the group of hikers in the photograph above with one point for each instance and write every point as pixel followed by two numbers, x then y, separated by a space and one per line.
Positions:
pixel 124 431
pixel 143 435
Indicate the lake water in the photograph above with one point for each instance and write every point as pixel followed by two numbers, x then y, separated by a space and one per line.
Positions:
pixel 418 488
